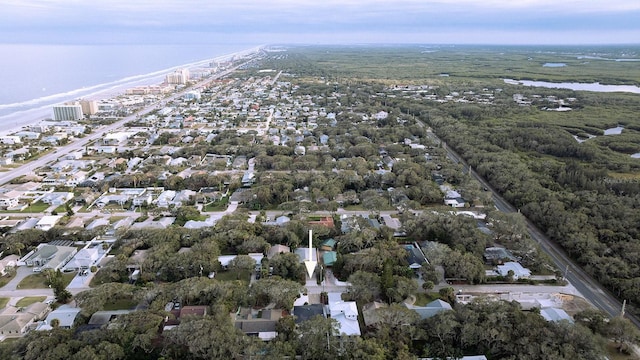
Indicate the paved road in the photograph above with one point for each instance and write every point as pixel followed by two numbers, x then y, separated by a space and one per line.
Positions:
pixel 590 289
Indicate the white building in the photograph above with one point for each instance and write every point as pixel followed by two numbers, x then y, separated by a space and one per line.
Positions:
pixel 67 112
pixel 346 313
pixel 519 272
pixel 10 140
pixel 180 76
pixel 164 199
pixel 47 222
pixel 7 202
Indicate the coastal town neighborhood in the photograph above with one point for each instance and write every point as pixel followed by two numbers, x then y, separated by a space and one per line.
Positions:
pixel 192 162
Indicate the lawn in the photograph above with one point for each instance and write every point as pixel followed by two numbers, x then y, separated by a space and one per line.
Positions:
pixel 3 302
pixel 232 275
pixel 220 205
pixel 62 209
pixel 36 207
pixel 5 279
pixel 38 281
pixel 423 299
pixel 26 301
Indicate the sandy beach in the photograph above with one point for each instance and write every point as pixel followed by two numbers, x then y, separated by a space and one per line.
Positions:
pixel 16 121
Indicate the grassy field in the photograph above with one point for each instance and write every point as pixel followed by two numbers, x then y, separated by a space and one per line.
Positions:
pixel 26 301
pixel 423 299
pixel 5 279
pixel 36 207
pixel 234 275
pixel 3 302
pixel 220 205
pixel 38 281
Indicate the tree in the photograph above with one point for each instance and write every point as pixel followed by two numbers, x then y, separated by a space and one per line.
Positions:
pixel 288 266
pixel 55 323
pixel 364 287
pixel 242 263
pixel 56 282
pixel 208 338
pixel 624 333
pixel 275 289
pixel 360 348
pixel 318 338
pixel 448 294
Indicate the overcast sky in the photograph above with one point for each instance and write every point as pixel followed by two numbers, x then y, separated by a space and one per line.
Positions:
pixel 321 21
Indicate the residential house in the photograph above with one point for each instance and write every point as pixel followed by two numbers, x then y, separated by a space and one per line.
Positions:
pixel 306 312
pixel 514 269
pixel 180 313
pixel 195 224
pixel 497 255
pixel 183 197
pixel 304 253
pixel 10 140
pixel 143 200
pixel 106 317
pixel 280 221
pixel 66 316
pixel 346 313
pixel 452 198
pixel 555 315
pixel 329 258
pixel 50 256
pixel 164 199
pixel 260 323
pixel 16 322
pixel 47 222
pixel 225 260
pixel 431 309
pixel 56 198
pixel 8 262
pixel 326 221
pixel 277 249
pixel 328 245
pixel 415 256
pixel 84 259
pixel 7 202
pixel 370 313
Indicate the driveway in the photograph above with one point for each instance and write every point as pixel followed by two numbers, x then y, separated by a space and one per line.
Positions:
pixel 21 273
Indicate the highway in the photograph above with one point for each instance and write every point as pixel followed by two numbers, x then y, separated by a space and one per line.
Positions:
pixel 590 289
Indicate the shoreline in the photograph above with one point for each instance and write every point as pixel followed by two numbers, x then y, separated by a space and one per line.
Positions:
pixel 17 120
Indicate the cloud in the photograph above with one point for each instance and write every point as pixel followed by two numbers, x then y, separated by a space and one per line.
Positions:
pixel 48 19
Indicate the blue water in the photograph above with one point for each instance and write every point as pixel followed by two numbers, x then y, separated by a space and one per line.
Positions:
pixel 554 65
pixel 34 76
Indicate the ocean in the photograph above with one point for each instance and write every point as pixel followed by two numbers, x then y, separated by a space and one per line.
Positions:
pixel 35 77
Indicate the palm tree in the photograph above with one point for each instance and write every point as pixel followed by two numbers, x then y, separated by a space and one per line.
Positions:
pixel 55 323
pixel 16 246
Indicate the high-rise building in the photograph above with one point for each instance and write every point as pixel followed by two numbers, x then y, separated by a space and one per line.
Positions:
pixel 180 76
pixel 67 112
pixel 89 107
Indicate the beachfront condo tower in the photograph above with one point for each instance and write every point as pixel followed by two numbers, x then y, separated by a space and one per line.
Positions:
pixel 67 112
